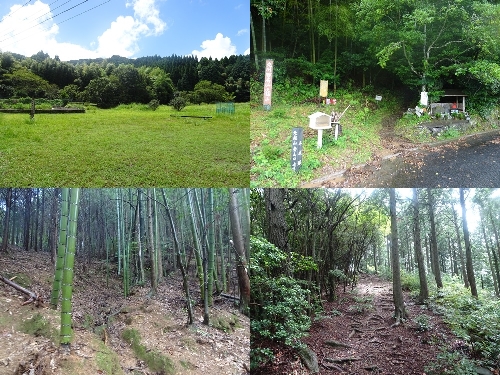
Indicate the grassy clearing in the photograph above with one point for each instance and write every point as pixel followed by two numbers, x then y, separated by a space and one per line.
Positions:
pixel 126 146
pixel 271 133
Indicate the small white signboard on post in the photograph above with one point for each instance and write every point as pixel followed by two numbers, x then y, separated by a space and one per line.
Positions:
pixel 268 84
pixel 378 98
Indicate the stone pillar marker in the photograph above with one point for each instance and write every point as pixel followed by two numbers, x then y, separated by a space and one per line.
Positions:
pixel 268 84
pixel 296 158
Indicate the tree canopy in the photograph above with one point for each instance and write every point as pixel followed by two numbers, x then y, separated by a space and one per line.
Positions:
pixel 109 82
pixel 427 45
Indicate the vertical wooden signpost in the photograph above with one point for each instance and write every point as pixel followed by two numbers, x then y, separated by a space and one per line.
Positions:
pixel 32 110
pixel 296 159
pixel 268 84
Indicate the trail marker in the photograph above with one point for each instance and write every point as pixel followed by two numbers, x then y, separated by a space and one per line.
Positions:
pixel 268 84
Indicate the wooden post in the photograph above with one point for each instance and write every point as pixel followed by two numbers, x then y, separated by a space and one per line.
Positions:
pixel 32 112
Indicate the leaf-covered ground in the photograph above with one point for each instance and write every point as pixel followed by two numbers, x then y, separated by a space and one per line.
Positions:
pixel 101 314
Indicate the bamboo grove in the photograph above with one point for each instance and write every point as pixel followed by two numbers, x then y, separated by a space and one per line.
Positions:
pixel 308 243
pixel 140 235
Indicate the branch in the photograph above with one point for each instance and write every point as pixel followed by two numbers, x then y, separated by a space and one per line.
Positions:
pixel 33 297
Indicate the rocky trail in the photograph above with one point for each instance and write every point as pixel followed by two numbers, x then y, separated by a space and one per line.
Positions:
pixel 100 316
pixel 356 335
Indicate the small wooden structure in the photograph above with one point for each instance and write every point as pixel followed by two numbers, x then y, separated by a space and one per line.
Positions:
pixel 453 100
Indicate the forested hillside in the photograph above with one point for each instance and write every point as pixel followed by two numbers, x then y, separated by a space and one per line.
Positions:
pixel 150 281
pixel 118 80
pixel 421 46
pixel 388 281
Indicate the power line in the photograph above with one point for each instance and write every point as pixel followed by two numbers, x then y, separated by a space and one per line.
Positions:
pixel 27 19
pixel 29 28
pixel 26 3
pixel 88 10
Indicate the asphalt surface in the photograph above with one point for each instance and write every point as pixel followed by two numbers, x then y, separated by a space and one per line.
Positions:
pixel 473 161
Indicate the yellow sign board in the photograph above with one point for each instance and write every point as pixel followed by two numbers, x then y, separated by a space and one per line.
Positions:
pixel 323 89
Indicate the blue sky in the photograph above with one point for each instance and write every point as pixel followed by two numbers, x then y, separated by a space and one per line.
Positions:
pixel 129 28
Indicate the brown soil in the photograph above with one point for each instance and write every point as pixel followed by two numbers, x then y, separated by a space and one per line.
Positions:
pixel 365 325
pixel 100 315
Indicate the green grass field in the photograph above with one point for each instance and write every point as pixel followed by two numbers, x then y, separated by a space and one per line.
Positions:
pixel 126 146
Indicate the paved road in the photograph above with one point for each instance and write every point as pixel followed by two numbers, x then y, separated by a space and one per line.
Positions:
pixel 470 162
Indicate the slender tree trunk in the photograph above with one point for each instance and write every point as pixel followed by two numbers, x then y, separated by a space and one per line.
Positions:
pixel 493 266
pixel 61 249
pixel 468 250
pixel 159 253
pixel 67 281
pixel 118 229
pixel 433 241
pixel 254 43
pixel 211 245
pixel 460 250
pixel 399 306
pixel 424 292
pixel 42 226
pixel 27 219
pixel 53 227
pixel 152 250
pixel 242 269
pixel 6 220
pixel 139 236
pixel 196 238
pixel 185 281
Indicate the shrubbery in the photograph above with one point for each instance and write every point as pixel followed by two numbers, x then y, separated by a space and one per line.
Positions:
pixel 178 103
pixel 476 321
pixel 280 304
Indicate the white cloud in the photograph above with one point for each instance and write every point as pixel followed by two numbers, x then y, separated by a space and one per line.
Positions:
pixel 247 51
pixel 216 48
pixel 121 38
pixel 242 32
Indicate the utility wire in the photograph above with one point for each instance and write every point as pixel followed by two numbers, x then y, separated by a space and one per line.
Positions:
pixel 88 10
pixel 29 28
pixel 10 14
pixel 7 33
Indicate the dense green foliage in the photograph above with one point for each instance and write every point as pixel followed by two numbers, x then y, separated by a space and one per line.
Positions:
pixel 382 44
pixel 279 304
pixel 109 82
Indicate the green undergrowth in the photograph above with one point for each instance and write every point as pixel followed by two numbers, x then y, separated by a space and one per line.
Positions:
pixel 126 146
pixel 476 321
pixel 225 324
pixel 37 326
pixel 281 306
pixel 107 360
pixel 155 360
pixel 271 134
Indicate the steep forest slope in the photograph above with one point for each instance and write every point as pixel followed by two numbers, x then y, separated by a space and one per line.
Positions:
pixel 104 322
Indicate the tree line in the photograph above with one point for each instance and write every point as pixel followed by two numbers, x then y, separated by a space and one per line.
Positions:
pixel 308 243
pixel 141 235
pixel 425 46
pixel 118 80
